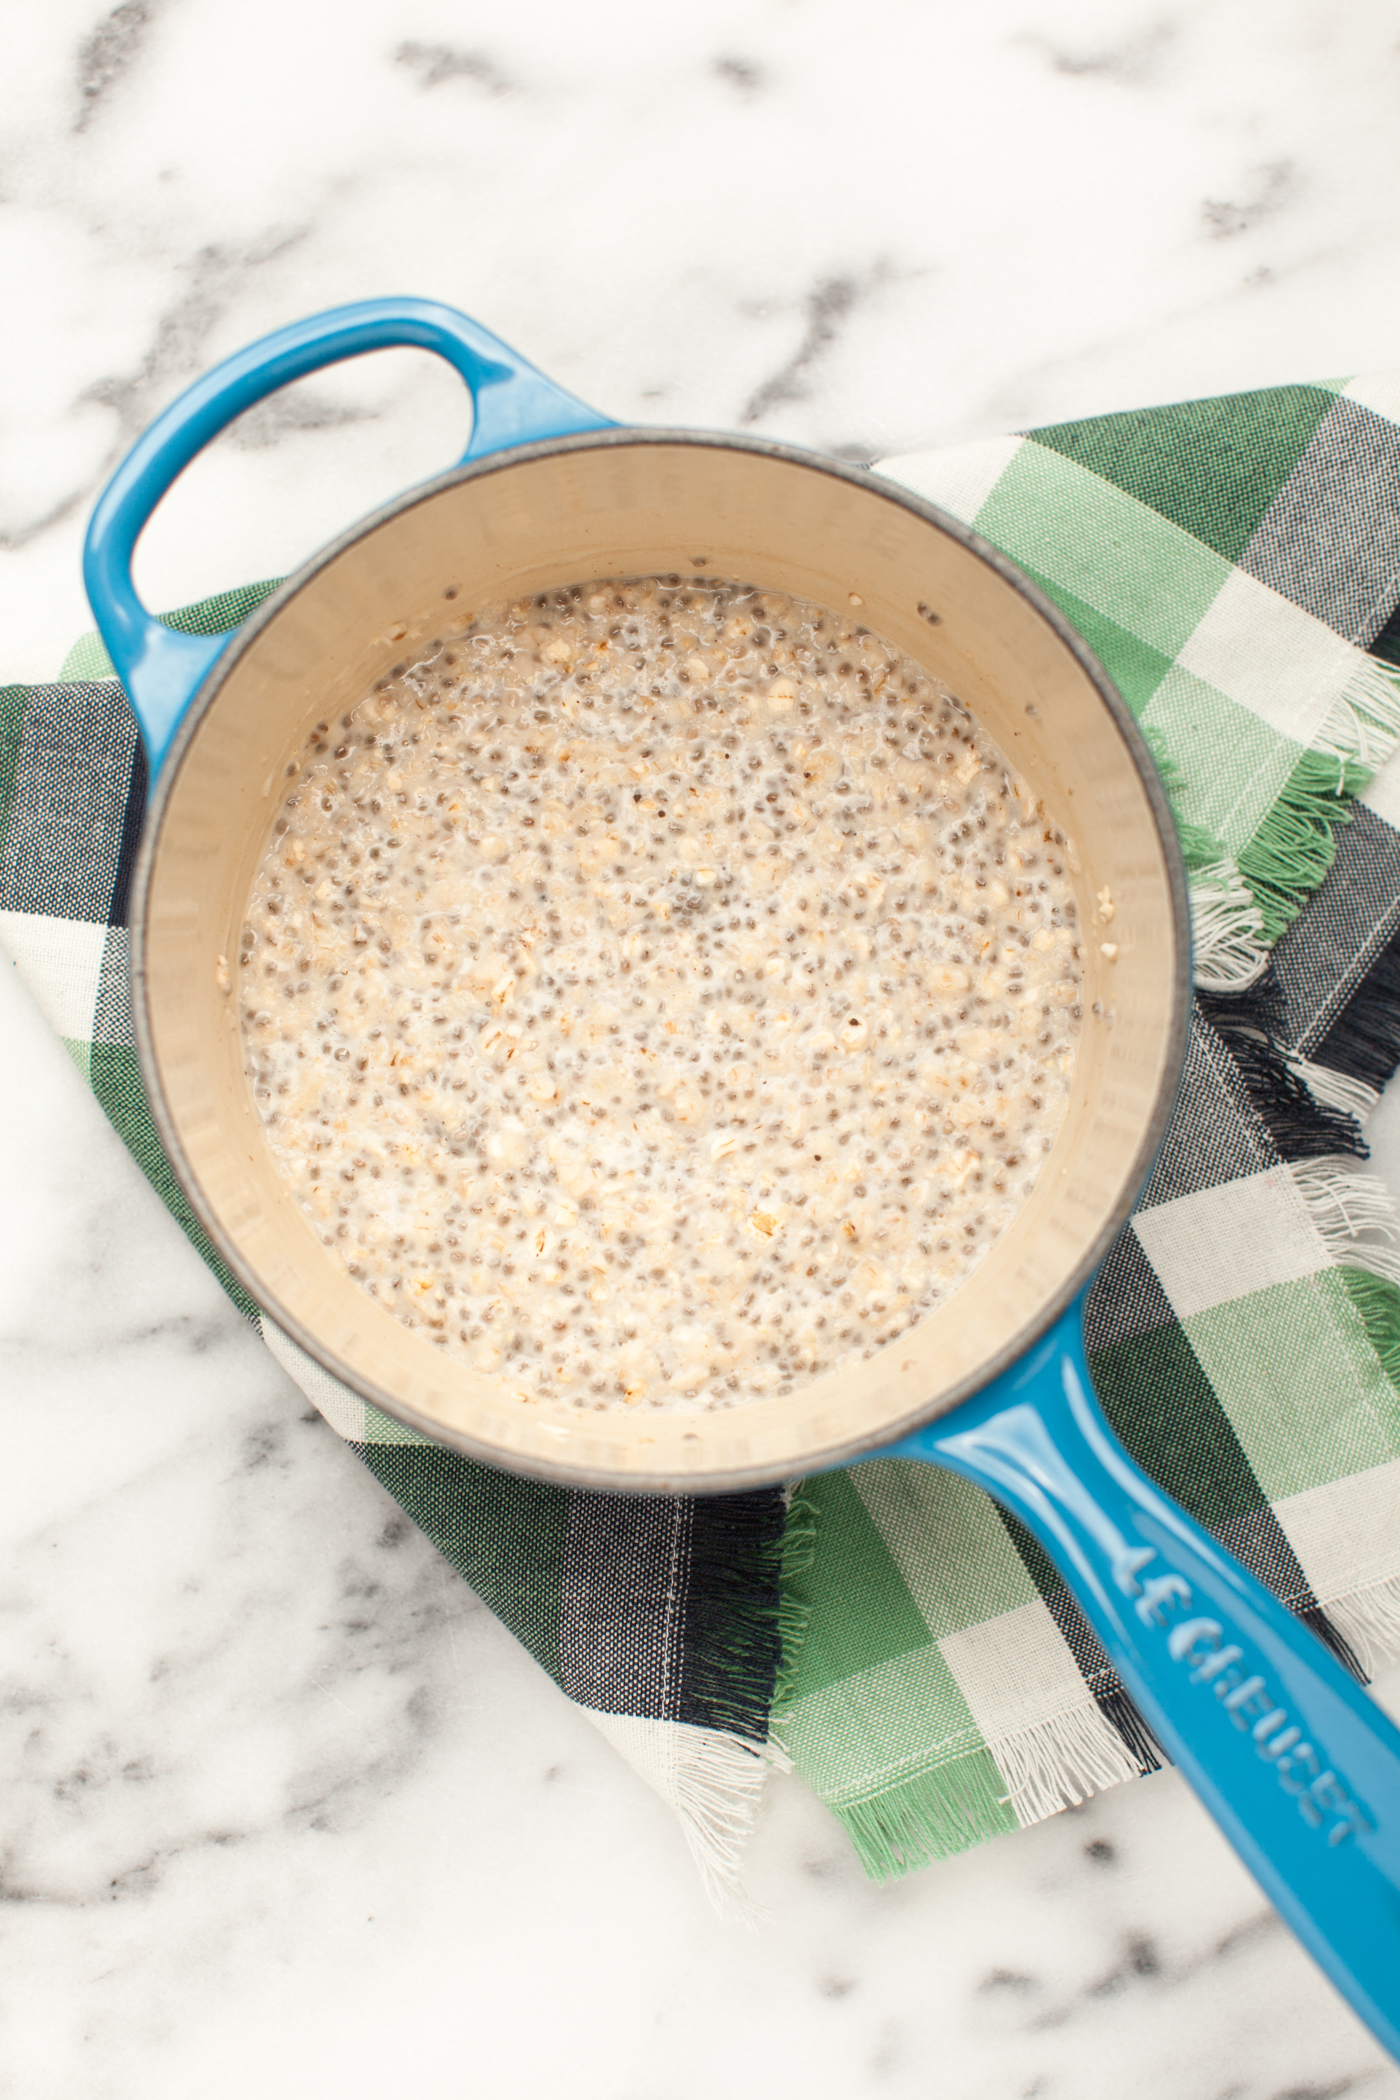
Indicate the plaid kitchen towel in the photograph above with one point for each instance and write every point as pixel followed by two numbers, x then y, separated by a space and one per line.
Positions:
pixel 661 1617
pixel 1236 565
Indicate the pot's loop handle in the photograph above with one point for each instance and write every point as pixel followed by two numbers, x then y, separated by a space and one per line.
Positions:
pixel 162 669
pixel 1300 1769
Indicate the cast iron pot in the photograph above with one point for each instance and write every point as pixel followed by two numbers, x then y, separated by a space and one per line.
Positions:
pixel 1296 1763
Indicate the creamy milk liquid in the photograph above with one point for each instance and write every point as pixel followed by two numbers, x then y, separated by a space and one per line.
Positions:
pixel 659 994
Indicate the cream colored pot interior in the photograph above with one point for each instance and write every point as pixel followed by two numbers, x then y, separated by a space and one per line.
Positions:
pixel 640 506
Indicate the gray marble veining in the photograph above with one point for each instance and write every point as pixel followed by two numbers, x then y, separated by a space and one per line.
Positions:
pixel 284 1808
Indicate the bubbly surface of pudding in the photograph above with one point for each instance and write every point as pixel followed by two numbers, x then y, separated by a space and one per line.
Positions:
pixel 659 994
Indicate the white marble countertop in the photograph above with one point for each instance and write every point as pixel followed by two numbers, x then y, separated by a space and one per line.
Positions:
pixel 284 1810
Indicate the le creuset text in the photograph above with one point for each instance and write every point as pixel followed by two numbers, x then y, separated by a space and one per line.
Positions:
pixel 1200 1645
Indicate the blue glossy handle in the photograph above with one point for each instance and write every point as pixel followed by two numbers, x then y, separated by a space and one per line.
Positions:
pixel 162 670
pixel 1300 1769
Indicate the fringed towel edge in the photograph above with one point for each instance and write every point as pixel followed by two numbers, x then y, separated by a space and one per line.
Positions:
pixel 1377 1302
pixel 935 1813
pixel 735 1637
pixel 1240 906
pixel 794 1614
pixel 1296 842
pixel 712 1781
pixel 1362 1042
pixel 1350 1097
pixel 1362 726
pixel 743 1629
pixel 1061 1762
pixel 1368 1618
pixel 1229 948
pixel 1353 1213
pixel 713 1778
pixel 1301 1124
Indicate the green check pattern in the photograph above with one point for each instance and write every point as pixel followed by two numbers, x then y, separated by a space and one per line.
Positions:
pixel 1231 562
pixel 1236 565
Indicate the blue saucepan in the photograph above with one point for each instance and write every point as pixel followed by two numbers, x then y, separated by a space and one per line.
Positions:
pixel 1299 1767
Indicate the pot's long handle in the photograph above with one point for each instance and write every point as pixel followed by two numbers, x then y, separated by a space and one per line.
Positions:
pixel 162 669
pixel 1300 1769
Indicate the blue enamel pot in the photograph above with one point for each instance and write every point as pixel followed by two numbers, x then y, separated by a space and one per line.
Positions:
pixel 1299 1767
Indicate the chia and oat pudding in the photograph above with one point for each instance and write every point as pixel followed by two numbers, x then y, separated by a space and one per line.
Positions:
pixel 660 993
